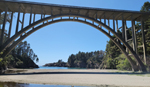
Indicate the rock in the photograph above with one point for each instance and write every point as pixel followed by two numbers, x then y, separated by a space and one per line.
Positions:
pixel 62 64
pixel 26 63
pixel 2 69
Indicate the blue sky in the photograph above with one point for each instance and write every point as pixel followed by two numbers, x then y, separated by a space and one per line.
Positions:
pixel 60 40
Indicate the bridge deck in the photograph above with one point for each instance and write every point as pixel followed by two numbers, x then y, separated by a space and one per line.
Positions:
pixel 54 9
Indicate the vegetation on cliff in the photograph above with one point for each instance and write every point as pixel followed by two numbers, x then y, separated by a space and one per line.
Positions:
pixel 60 63
pixel 81 60
pixel 86 60
pixel 20 57
pixel 114 59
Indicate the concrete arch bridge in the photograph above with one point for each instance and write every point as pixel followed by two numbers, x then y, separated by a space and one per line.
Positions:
pixel 95 17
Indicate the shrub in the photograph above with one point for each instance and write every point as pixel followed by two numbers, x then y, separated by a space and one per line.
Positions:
pixel 123 63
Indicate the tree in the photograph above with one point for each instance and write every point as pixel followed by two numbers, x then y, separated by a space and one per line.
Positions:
pixel 71 60
pixel 31 53
pixel 146 7
pixel 37 59
pixel 60 61
pixel 86 60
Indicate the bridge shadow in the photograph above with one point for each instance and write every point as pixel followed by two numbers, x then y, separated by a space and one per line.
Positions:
pixel 100 73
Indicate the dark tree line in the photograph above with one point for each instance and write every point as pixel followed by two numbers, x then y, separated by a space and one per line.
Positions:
pixel 86 60
pixel 22 56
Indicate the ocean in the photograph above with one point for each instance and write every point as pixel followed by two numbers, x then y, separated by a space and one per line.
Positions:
pixel 45 67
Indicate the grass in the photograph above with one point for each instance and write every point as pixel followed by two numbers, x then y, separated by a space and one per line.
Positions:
pixel 144 75
pixel 138 73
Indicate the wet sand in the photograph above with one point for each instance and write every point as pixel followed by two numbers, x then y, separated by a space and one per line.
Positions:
pixel 87 77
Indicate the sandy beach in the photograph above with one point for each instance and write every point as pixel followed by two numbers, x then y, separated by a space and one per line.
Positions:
pixel 87 77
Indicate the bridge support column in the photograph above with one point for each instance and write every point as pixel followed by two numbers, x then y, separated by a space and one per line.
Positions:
pixel 143 40
pixel 30 16
pixel 33 19
pixel 109 26
pixel 3 28
pixel 22 22
pixel 100 21
pixel 10 25
pixel 18 19
pixel 123 28
pixel 117 30
pixel 117 26
pixel 134 36
pixel 126 36
pixel 113 22
pixel 104 18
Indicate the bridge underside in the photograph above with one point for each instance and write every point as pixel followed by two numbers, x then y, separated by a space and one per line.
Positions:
pixel 94 17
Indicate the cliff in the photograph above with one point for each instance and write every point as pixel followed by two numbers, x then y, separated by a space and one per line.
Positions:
pixel 24 62
pixel 17 61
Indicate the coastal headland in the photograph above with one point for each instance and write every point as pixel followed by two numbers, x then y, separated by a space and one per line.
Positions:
pixel 79 77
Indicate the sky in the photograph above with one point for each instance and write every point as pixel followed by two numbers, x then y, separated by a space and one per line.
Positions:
pixel 60 40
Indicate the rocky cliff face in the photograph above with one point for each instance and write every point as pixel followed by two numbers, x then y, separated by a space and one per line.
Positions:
pixel 26 63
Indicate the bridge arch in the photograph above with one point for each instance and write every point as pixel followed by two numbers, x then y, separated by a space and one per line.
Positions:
pixel 12 42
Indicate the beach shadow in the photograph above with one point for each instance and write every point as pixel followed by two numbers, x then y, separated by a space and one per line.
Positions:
pixel 117 73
